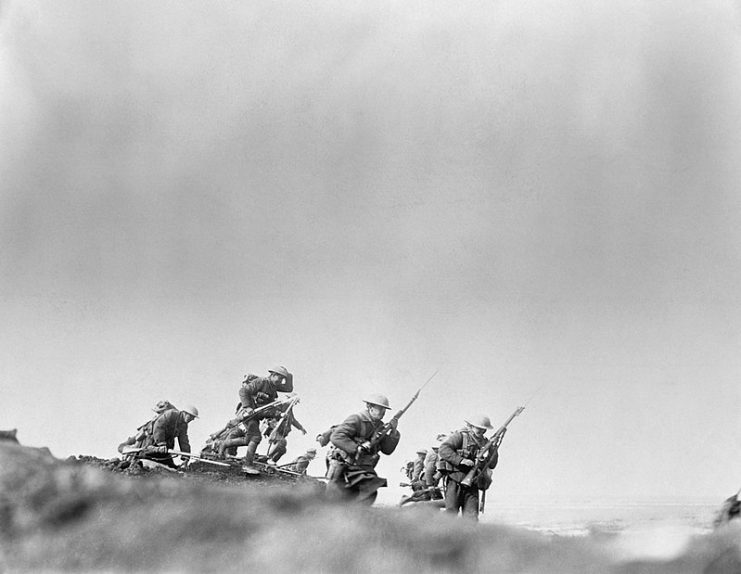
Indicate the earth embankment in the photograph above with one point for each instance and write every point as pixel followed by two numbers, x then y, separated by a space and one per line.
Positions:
pixel 87 515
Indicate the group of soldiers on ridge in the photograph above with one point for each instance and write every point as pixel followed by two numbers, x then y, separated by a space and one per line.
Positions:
pixel 456 471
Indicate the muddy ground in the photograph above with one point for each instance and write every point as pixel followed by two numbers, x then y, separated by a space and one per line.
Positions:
pixel 90 515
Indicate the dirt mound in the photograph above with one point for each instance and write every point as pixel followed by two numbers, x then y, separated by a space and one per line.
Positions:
pixel 87 514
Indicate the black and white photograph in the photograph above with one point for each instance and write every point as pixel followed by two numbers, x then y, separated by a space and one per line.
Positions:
pixel 351 286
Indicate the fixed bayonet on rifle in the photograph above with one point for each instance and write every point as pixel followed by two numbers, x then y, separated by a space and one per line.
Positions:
pixel 387 428
pixel 486 453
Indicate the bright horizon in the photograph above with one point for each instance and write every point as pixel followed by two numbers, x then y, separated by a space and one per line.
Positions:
pixel 539 199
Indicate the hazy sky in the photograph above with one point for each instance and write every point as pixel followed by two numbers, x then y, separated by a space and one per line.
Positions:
pixel 525 195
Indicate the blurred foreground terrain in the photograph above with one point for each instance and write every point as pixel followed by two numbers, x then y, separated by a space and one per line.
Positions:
pixel 81 516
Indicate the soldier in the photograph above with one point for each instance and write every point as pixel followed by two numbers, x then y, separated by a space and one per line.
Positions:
pixel 323 440
pixel 431 475
pixel 257 392
pixel 418 468
pixel 143 436
pixel 170 425
pixel 352 470
pixel 277 430
pixel 457 455
pixel 301 464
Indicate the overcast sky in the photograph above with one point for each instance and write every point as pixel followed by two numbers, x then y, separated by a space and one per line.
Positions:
pixel 534 197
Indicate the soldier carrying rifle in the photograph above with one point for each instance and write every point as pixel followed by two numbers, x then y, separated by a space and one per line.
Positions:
pixel 466 459
pixel 358 442
pixel 257 398
pixel 155 439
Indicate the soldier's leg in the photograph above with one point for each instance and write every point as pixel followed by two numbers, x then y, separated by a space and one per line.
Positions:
pixel 336 479
pixel 470 502
pixel 229 446
pixel 249 456
pixel 452 496
pixel 277 450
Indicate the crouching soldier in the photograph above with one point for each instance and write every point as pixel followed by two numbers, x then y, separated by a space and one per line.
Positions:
pixel 457 455
pixel 301 464
pixel 143 436
pixel 170 425
pixel 358 441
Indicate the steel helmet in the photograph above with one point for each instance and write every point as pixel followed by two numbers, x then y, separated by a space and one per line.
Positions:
pixel 480 421
pixel 190 409
pixel 310 451
pixel 421 451
pixel 377 400
pixel 282 371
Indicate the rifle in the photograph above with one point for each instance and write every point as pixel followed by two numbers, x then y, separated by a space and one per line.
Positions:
pixel 283 421
pixel 235 421
pixel 179 453
pixel 387 428
pixel 486 453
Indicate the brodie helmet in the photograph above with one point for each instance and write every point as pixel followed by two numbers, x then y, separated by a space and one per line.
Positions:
pixel 480 421
pixel 191 410
pixel 377 400
pixel 281 371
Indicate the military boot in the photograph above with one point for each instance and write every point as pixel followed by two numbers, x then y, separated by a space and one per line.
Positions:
pixel 249 457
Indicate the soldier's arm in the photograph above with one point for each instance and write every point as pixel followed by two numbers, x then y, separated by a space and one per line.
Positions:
pixel 247 395
pixel 448 448
pixel 183 440
pixel 344 434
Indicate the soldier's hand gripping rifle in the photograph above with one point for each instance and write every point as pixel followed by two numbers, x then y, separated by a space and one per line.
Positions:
pixel 243 416
pixel 487 452
pixel 391 425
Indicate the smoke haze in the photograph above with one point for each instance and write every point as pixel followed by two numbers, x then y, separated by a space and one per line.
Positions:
pixel 538 198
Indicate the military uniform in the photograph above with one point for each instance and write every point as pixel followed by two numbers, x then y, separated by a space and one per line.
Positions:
pixel 323 440
pixel 257 392
pixel 431 475
pixel 301 464
pixel 418 468
pixel 279 443
pixel 353 473
pixel 167 427
pixel 463 444
pixel 143 436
